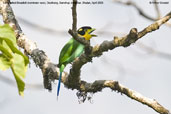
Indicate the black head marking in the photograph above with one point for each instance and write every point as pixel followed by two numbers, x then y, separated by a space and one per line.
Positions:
pixel 83 29
pixel 86 27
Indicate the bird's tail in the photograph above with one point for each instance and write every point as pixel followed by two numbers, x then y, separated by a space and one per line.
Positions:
pixel 60 76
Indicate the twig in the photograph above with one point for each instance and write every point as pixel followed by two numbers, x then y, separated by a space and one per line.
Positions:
pixel 13 83
pixel 157 9
pixel 40 27
pixel 141 12
pixel 155 25
pixel 73 32
pixel 74 16
pixel 154 51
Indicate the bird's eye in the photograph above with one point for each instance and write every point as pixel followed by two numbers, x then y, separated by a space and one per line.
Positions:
pixel 81 32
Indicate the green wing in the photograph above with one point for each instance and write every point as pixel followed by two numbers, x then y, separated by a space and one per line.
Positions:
pixel 70 51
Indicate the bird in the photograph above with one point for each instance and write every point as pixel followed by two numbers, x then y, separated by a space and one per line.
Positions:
pixel 73 49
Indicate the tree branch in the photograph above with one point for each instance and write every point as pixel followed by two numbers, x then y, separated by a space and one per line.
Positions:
pixel 73 80
pixel 125 41
pixel 98 50
pixel 98 85
pixel 49 70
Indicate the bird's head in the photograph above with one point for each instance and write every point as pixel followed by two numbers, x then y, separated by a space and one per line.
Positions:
pixel 86 32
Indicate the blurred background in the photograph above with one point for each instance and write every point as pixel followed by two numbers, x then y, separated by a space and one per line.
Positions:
pixel 144 66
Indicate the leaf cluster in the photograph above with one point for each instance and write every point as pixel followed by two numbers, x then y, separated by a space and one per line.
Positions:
pixel 11 57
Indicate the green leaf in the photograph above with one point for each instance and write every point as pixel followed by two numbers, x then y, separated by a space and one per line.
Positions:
pixel 6 52
pixel 19 65
pixel 7 32
pixel 5 45
pixel 19 70
pixel 14 49
pixel 20 82
pixel 12 57
pixel 4 62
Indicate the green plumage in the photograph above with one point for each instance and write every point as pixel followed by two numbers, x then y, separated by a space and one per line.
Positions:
pixel 69 52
